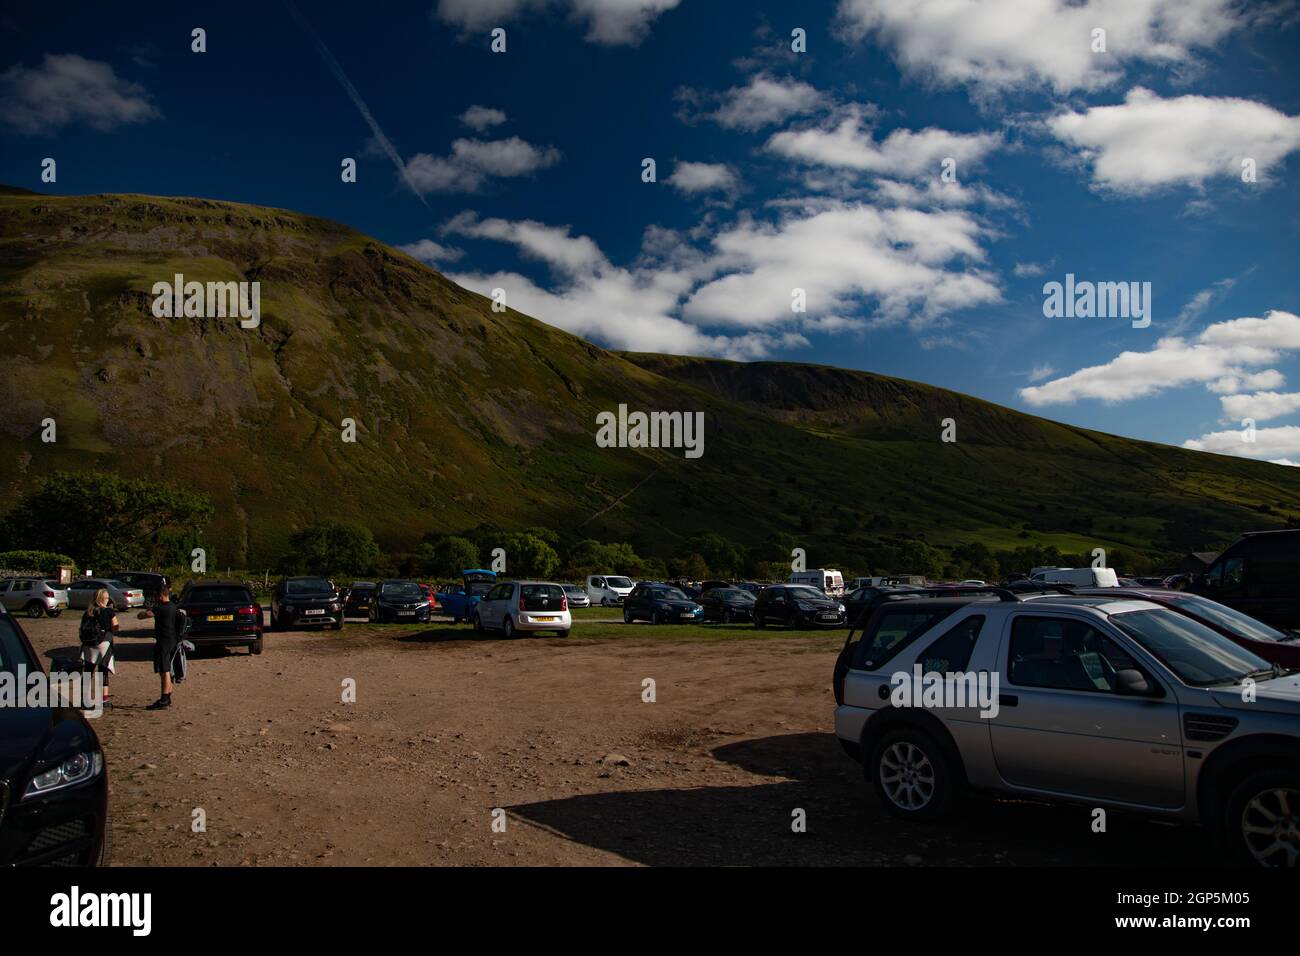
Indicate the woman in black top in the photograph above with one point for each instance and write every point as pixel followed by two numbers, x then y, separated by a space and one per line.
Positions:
pixel 166 634
pixel 97 627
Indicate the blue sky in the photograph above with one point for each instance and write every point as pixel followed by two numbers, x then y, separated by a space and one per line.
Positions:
pixel 776 170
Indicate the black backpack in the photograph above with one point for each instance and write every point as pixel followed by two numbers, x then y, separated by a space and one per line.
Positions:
pixel 92 630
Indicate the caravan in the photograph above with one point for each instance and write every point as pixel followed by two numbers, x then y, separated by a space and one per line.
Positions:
pixel 827 580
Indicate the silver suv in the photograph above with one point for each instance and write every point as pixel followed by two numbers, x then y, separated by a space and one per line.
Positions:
pixel 33 596
pixel 1107 701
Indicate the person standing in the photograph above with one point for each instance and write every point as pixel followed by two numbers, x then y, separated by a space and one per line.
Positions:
pixel 167 626
pixel 98 624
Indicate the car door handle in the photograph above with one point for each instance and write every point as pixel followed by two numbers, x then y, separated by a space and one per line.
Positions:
pixel 1008 700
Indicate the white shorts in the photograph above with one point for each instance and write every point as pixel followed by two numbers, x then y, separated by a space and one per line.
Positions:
pixel 94 654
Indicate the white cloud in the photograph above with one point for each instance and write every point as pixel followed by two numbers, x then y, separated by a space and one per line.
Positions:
pixel 426 250
pixel 1199 304
pixel 1222 351
pixel 473 162
pixel 1261 406
pixel 733 296
pixel 998 46
pixel 848 145
pixel 1026 269
pixel 843 252
pixel 609 22
pixel 1149 143
pixel 765 100
pixel 1040 372
pixel 67 89
pixel 692 178
pixel 1269 444
pixel 479 118
pixel 1246 381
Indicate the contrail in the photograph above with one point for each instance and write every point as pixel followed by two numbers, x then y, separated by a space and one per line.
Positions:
pixel 357 101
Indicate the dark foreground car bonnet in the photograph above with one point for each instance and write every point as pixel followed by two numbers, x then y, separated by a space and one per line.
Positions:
pixel 28 732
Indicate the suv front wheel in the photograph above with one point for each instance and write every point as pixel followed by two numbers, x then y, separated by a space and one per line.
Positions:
pixel 1262 818
pixel 912 775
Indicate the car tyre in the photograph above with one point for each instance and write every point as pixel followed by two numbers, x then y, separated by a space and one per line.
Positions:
pixel 54 613
pixel 256 646
pixel 759 620
pixel 727 616
pixel 1261 821
pixel 564 633
pixel 338 624
pixel 627 617
pixel 477 622
pixel 912 775
pixel 508 628
pixel 35 609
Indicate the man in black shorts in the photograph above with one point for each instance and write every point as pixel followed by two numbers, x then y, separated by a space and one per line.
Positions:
pixel 167 624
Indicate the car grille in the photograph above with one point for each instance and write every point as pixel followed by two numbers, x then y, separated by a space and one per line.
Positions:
pixel 1208 726
pixel 54 836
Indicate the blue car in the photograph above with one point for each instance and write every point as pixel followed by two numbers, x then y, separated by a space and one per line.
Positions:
pixel 460 603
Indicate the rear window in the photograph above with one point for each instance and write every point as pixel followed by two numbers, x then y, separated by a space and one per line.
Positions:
pixel 895 629
pixel 219 594
pixel 552 591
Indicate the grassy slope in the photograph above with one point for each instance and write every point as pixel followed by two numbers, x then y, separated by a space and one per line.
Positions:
pixel 466 415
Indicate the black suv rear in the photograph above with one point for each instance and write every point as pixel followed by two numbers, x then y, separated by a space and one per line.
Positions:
pixel 222 614
pixel 306 601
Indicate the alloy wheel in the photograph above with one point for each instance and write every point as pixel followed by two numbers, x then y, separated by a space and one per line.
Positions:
pixel 907 775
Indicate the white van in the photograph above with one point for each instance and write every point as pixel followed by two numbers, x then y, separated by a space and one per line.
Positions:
pixel 824 579
pixel 607 589
pixel 1079 577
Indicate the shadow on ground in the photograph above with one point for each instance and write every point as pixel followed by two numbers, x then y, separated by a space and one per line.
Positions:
pixel 846 826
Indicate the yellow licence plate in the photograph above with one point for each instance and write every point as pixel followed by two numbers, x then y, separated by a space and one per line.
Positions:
pixel 221 617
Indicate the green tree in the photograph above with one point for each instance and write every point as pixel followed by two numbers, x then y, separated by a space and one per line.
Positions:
pixel 103 519
pixel 529 556
pixel 447 557
pixel 329 547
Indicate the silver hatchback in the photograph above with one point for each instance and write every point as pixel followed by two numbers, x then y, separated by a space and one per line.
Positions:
pixel 1106 701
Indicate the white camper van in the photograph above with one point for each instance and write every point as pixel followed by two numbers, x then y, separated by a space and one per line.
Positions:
pixel 824 579
pixel 1079 577
pixel 607 589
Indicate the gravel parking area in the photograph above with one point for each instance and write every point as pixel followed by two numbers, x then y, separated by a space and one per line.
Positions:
pixel 447 728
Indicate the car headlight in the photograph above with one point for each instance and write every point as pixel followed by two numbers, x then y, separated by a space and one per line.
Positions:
pixel 335 605
pixel 842 608
pixel 76 769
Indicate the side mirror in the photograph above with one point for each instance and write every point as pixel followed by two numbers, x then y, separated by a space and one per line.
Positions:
pixel 1131 683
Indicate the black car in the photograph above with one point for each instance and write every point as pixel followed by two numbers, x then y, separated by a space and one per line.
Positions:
pixel 399 601
pixel 53 777
pixel 1258 575
pixel 727 604
pixel 358 598
pixel 660 604
pixel 750 586
pixel 862 601
pixel 221 614
pixel 306 602
pixel 147 581
pixel 797 605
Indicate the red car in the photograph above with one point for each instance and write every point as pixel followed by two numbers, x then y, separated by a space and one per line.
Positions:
pixel 1275 646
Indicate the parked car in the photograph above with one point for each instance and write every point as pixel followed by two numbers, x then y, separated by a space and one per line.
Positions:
pixel 860 603
pixel 306 602
pixel 123 597
pixel 1100 701
pixel 1260 575
pixel 751 586
pixel 1270 643
pixel 516 607
pixel 607 589
pixel 399 601
pixel 460 602
pixel 34 597
pixel 797 606
pixel 53 776
pixel 148 582
pixel 727 604
pixel 357 600
pixel 222 614
pixel 576 595
pixel 660 604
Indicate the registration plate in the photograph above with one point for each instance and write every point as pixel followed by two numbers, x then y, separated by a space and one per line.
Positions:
pixel 406 614
pixel 539 617
pixel 830 617
pixel 221 617
pixel 314 610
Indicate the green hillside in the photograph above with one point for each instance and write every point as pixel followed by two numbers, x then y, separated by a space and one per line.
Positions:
pixel 465 415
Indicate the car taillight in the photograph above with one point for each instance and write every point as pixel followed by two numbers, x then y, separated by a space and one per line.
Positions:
pixel 246 610
pixel 49 594
pixel 521 603
pixel 564 603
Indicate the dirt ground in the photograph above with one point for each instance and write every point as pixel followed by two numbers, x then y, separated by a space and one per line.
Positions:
pixel 447 728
